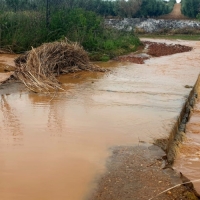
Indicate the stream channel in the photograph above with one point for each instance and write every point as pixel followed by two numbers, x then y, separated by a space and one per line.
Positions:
pixel 56 148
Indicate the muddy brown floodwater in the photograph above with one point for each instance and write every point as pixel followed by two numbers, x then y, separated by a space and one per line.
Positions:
pixel 56 148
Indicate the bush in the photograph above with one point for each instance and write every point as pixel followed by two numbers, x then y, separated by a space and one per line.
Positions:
pixel 190 8
pixel 21 30
pixel 154 8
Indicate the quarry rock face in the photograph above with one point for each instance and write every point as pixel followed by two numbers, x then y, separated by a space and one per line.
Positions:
pixel 151 25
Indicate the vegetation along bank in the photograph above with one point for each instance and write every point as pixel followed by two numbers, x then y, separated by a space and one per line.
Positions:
pixel 25 24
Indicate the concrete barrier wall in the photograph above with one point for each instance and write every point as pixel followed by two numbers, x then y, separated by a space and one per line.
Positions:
pixel 177 133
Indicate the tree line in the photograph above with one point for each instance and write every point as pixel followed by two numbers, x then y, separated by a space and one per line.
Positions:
pixel 190 8
pixel 121 8
pixel 26 23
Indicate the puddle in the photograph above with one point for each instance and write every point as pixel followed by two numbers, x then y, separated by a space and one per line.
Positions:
pixel 55 148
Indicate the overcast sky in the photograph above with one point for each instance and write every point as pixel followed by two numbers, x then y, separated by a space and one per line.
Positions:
pixel 178 1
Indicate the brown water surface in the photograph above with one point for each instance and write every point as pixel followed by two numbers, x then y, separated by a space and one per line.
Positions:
pixel 55 148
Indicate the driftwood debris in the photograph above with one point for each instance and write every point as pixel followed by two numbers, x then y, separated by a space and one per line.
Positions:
pixel 38 68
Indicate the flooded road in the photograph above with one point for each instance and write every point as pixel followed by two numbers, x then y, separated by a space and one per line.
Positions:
pixel 55 148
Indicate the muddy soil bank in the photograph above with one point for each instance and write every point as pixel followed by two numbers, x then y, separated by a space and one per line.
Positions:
pixel 6 66
pixel 5 76
pixel 153 49
pixel 66 140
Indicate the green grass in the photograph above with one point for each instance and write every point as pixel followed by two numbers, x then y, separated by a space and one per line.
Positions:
pixel 195 37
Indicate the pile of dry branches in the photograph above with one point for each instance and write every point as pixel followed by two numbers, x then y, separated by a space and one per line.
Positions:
pixel 38 68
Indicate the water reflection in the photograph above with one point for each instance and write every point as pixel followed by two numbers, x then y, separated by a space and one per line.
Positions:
pixel 10 128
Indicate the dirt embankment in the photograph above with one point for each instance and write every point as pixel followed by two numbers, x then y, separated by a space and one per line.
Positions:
pixel 5 76
pixel 153 49
pixel 6 66
pixel 175 14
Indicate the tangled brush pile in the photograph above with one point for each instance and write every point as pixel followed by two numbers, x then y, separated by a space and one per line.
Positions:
pixel 38 68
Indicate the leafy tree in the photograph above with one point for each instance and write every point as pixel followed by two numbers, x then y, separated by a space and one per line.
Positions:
pixel 152 8
pixel 19 5
pixel 13 4
pixel 190 8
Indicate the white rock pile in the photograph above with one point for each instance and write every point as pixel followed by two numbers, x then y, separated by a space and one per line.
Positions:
pixel 151 25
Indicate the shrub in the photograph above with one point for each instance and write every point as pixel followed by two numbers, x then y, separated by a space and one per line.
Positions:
pixel 21 30
pixel 190 8
pixel 24 29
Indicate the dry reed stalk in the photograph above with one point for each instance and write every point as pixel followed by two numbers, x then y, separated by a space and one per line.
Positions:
pixel 38 68
pixel 193 181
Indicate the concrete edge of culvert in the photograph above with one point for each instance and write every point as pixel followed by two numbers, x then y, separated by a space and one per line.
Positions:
pixel 171 145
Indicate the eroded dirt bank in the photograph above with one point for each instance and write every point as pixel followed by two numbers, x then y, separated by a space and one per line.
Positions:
pixel 67 140
pixel 153 49
pixel 6 66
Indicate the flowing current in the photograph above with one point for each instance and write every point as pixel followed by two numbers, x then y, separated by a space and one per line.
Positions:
pixel 55 148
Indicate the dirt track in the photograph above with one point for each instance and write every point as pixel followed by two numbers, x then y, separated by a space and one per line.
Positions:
pixel 175 14
pixel 130 168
